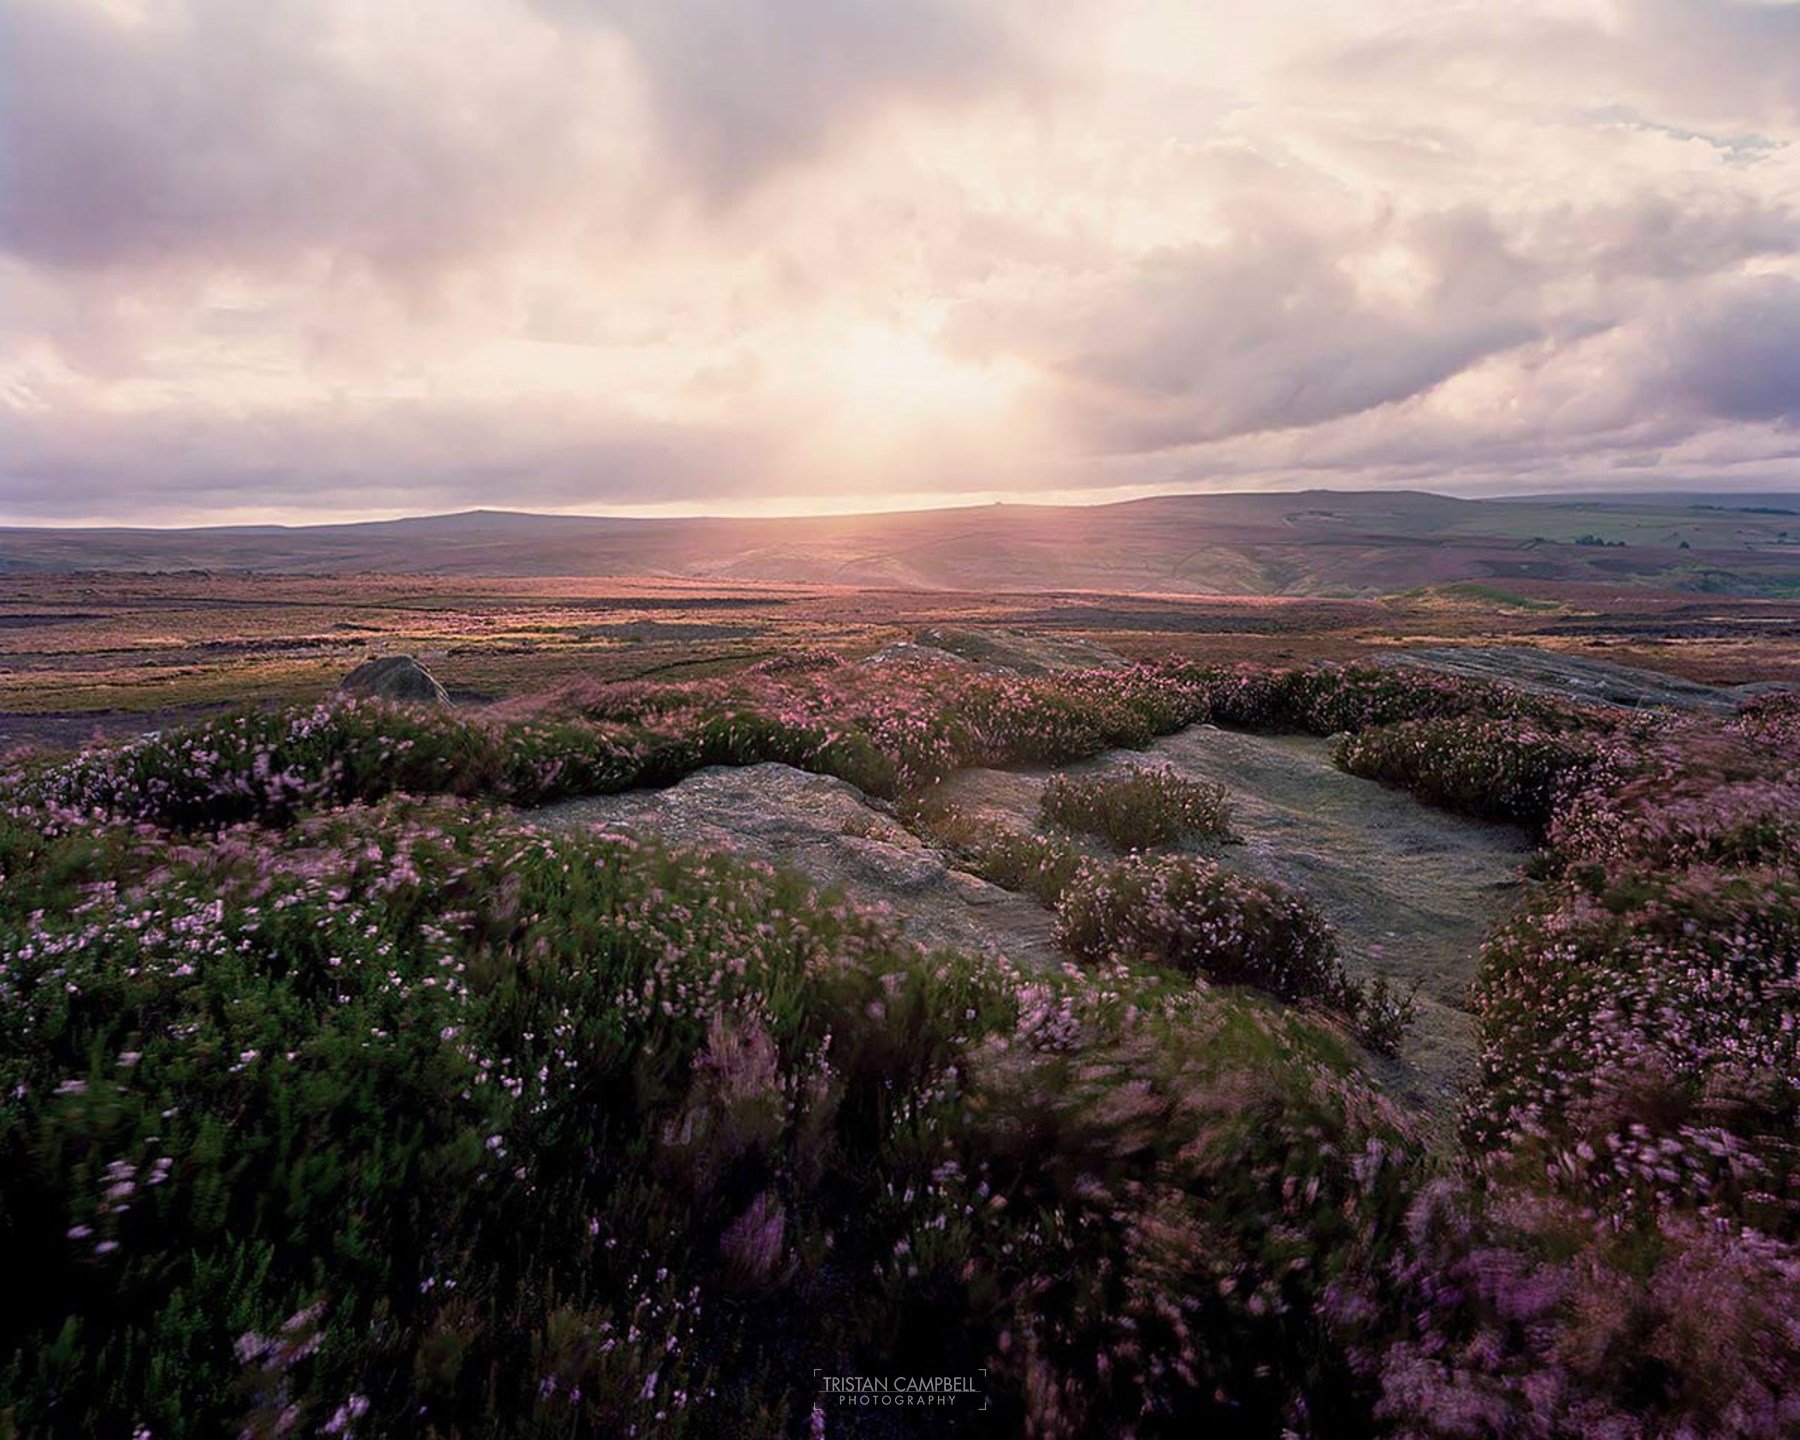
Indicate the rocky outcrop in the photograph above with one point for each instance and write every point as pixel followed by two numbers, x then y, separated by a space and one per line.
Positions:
pixel 1571 677
pixel 1410 890
pixel 829 832
pixel 396 678
pixel 907 652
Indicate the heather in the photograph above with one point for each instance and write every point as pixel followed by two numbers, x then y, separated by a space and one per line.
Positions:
pixel 1624 1264
pixel 333 1101
pixel 891 730
pixel 1147 806
pixel 1175 912
pixel 1036 864
pixel 408 1115
pixel 1494 769
pixel 1638 1017
pixel 1206 1173
pixel 1194 916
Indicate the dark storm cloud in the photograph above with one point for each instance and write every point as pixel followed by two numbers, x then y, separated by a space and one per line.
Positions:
pixel 225 134
pixel 1736 354
pixel 741 90
pixel 1269 332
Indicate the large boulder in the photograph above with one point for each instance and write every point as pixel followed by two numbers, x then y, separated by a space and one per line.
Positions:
pixel 397 678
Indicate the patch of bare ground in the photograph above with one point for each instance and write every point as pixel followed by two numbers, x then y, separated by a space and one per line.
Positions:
pixel 72 729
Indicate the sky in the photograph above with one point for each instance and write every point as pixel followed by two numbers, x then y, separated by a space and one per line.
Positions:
pixel 324 259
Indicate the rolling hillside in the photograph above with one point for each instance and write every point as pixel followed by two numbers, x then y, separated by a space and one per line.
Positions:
pixel 1305 543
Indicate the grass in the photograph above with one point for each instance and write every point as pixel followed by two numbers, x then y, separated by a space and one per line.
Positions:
pixel 149 643
pixel 1491 596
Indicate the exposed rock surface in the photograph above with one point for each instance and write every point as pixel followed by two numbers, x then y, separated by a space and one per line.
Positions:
pixel 1576 677
pixel 829 832
pixel 1410 890
pixel 907 652
pixel 394 677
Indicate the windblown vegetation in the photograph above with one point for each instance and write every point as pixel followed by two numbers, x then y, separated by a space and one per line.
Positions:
pixel 1142 808
pixel 336 1098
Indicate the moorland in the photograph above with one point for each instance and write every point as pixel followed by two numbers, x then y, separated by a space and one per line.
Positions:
pixel 1273 543
pixel 1176 1013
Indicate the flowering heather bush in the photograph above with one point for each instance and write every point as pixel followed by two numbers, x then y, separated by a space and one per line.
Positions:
pixel 1639 1046
pixel 1329 699
pixel 890 731
pixel 1135 811
pixel 797 662
pixel 1525 1318
pixel 1496 769
pixel 1041 866
pixel 1772 721
pixel 455 1085
pixel 887 732
pixel 269 766
pixel 1696 796
pixel 1190 915
pixel 402 1118
pixel 1197 917
pixel 1035 864
pixel 406 1118
pixel 1190 1178
pixel 1629 1267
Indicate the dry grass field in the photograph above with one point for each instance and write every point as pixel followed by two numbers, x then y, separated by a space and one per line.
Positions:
pixel 81 654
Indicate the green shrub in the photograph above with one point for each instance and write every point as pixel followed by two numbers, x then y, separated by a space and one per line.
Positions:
pixel 1137 810
pixel 414 1118
pixel 1381 1013
pixel 1033 864
pixel 1494 769
pixel 1037 865
pixel 1190 1180
pixel 409 1119
pixel 1201 919
pixel 1638 1045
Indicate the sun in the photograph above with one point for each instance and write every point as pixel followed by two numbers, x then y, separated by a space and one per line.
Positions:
pixel 895 381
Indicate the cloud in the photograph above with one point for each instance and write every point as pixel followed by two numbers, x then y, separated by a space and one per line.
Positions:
pixel 1690 62
pixel 742 91
pixel 1734 355
pixel 235 137
pixel 1269 331
pixel 410 457
pixel 333 256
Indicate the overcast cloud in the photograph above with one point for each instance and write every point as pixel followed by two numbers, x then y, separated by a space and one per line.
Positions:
pixel 325 258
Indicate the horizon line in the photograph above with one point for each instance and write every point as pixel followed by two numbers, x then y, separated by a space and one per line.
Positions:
pixel 652 514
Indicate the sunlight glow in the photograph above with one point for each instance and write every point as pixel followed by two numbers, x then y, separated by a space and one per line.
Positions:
pixel 893 380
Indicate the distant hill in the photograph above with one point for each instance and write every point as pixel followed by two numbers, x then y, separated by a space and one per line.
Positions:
pixel 1289 543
